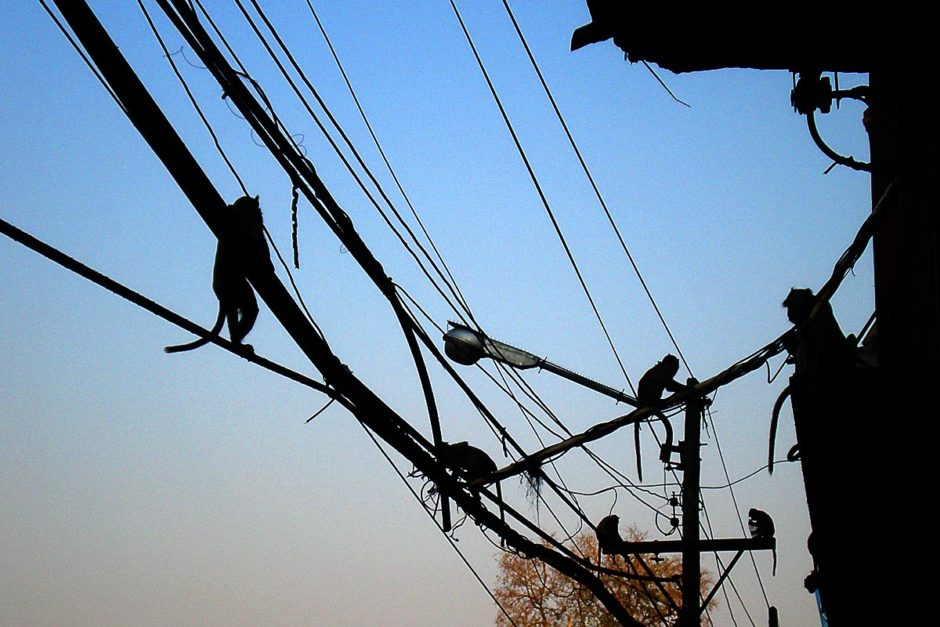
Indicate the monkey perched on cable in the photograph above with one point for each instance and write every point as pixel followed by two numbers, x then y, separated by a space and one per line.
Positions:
pixel 649 391
pixel 658 379
pixel 761 525
pixel 242 244
pixel 472 464
pixel 608 536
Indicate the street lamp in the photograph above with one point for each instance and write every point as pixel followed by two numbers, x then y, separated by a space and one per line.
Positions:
pixel 466 346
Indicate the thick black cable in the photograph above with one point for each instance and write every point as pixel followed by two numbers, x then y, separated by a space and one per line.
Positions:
pixel 848 162
pixel 541 193
pixel 280 146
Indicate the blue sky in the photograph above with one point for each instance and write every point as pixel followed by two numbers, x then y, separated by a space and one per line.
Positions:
pixel 140 487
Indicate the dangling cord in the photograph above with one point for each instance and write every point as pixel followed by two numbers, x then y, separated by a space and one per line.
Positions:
pixel 293 217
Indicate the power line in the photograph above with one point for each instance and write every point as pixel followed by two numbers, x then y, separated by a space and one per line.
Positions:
pixel 350 146
pixel 81 53
pixel 385 159
pixel 155 308
pixel 541 193
pixel 623 246
pixel 192 99
pixel 450 540
pixel 590 178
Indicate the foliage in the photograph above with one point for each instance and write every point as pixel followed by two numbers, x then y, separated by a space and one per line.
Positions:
pixel 536 594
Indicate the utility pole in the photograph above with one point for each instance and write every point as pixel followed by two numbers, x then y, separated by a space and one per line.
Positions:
pixel 691 477
pixel 691 546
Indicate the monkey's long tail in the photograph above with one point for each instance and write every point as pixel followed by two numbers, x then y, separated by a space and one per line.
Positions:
pixel 217 327
pixel 774 420
pixel 499 495
pixel 636 445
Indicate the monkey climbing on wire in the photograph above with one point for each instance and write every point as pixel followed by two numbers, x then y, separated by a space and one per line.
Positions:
pixel 241 245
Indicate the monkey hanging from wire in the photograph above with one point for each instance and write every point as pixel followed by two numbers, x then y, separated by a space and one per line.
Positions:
pixel 241 245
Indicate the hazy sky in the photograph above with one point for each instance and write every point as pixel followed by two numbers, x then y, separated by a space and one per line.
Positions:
pixel 144 488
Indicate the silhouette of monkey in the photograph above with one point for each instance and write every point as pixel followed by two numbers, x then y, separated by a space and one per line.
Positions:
pixel 657 379
pixel 761 525
pixel 819 346
pixel 237 303
pixel 608 535
pixel 472 464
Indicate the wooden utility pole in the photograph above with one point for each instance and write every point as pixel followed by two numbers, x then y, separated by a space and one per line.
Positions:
pixel 691 477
